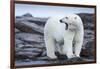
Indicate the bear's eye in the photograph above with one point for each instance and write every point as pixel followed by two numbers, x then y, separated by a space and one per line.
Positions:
pixel 66 17
pixel 75 17
pixel 69 23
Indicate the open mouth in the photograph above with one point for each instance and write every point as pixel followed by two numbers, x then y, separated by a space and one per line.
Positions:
pixel 65 24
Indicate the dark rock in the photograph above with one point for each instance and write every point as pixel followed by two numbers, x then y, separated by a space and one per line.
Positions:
pixel 88 32
pixel 17 31
pixel 89 26
pixel 44 53
pixel 24 55
pixel 27 46
pixel 89 50
pixel 30 38
pixel 31 50
pixel 18 17
pixel 90 45
pixel 28 27
pixel 75 59
pixel 35 45
pixel 88 20
pixel 36 20
pixel 18 46
pixel 24 44
pixel 86 17
pixel 39 21
pixel 42 58
pixel 27 15
pixel 60 56
pixel 17 41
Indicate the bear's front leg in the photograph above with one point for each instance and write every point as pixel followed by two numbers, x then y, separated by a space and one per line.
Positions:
pixel 77 48
pixel 50 47
pixel 68 49
pixel 78 40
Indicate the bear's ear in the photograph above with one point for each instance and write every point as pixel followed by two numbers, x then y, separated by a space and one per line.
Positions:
pixel 75 17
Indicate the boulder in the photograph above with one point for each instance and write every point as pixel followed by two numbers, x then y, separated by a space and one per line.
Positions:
pixel 25 55
pixel 35 45
pixel 89 50
pixel 88 20
pixel 36 20
pixel 27 15
pixel 30 38
pixel 18 41
pixel 16 30
pixel 28 27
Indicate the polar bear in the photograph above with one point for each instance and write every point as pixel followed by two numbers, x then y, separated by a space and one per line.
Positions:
pixel 65 35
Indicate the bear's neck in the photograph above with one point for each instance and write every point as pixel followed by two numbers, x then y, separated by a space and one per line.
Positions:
pixel 78 29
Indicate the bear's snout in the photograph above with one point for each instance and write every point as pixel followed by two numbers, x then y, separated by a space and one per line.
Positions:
pixel 61 21
pixel 65 24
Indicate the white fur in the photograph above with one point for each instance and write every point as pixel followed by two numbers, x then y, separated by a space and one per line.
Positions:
pixel 55 32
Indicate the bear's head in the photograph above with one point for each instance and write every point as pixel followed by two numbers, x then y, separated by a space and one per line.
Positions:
pixel 72 22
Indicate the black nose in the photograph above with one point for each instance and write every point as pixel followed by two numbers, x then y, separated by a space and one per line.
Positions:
pixel 66 26
pixel 61 21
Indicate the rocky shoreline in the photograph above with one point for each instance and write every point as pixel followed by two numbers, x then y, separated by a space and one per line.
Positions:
pixel 29 39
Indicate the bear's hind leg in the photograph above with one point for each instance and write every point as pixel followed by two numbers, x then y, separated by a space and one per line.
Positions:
pixel 50 47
